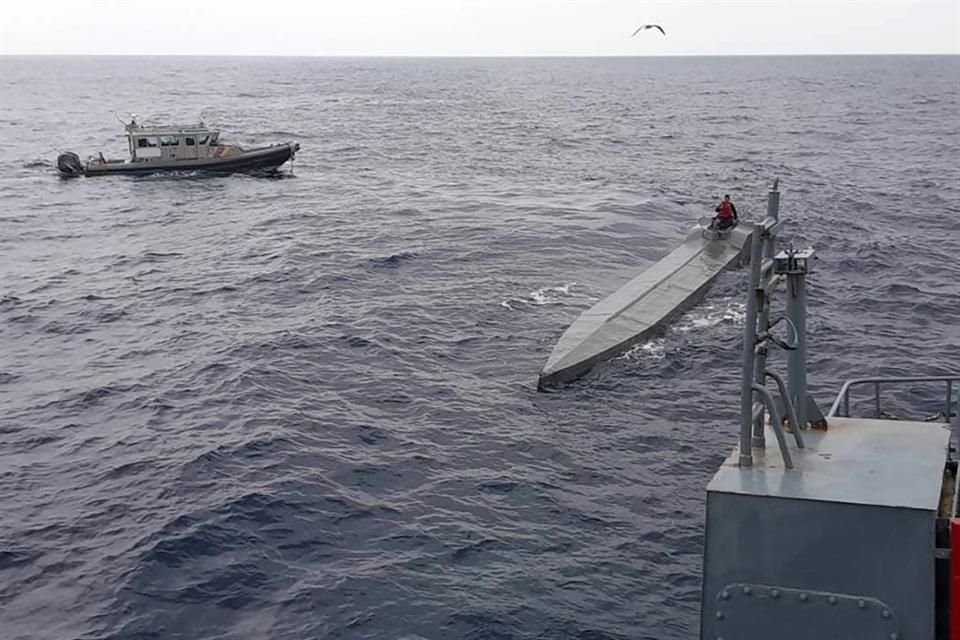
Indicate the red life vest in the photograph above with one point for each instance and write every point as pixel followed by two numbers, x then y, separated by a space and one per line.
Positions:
pixel 726 211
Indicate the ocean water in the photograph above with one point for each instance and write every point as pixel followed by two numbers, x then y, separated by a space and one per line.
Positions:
pixel 305 406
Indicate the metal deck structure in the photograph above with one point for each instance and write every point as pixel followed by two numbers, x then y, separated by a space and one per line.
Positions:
pixel 841 530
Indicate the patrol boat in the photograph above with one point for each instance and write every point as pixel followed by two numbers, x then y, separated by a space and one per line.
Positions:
pixel 178 148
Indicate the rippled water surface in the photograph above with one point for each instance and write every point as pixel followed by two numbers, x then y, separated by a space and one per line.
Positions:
pixel 305 406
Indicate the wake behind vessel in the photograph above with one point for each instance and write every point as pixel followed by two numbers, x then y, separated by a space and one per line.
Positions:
pixel 178 148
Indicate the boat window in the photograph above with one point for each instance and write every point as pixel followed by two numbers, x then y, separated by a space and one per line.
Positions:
pixel 146 142
pixel 204 140
pixel 169 141
pixel 190 142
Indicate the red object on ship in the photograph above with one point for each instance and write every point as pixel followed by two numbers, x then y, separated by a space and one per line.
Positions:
pixel 955 579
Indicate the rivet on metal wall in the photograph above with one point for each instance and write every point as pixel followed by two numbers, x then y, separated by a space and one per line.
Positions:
pixel 746 590
pixel 774 593
pixel 832 599
pixel 725 594
pixel 803 597
pixel 861 603
pixel 885 614
pixel 719 615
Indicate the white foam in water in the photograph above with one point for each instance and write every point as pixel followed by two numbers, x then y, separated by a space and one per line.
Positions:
pixel 547 295
pixel 653 349
pixel 710 315
pixel 544 296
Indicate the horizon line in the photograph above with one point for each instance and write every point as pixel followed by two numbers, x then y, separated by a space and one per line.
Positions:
pixel 456 56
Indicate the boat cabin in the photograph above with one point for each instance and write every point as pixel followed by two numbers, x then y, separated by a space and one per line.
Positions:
pixel 173 142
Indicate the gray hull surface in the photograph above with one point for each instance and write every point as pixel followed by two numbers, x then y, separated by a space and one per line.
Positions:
pixel 265 158
pixel 643 305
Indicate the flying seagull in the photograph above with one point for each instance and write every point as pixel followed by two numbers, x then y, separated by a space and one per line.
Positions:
pixel 648 26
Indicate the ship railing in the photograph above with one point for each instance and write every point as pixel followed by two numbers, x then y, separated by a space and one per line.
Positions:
pixel 841 405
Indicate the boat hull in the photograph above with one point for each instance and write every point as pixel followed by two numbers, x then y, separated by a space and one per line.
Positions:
pixel 644 305
pixel 262 159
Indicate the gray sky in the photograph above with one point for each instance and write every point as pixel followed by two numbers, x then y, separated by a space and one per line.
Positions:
pixel 475 27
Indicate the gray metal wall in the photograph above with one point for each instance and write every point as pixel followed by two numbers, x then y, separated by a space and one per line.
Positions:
pixel 789 569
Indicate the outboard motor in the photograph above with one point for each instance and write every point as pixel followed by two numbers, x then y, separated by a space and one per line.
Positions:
pixel 69 165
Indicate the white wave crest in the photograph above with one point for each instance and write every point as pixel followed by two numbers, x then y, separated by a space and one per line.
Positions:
pixel 541 297
pixel 729 312
pixel 653 349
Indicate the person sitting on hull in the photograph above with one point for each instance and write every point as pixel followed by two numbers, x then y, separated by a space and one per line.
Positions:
pixel 726 214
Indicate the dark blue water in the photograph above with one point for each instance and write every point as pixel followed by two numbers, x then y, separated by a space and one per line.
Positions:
pixel 305 407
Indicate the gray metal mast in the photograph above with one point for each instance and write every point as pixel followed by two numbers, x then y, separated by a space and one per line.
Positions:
pixel 767 269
